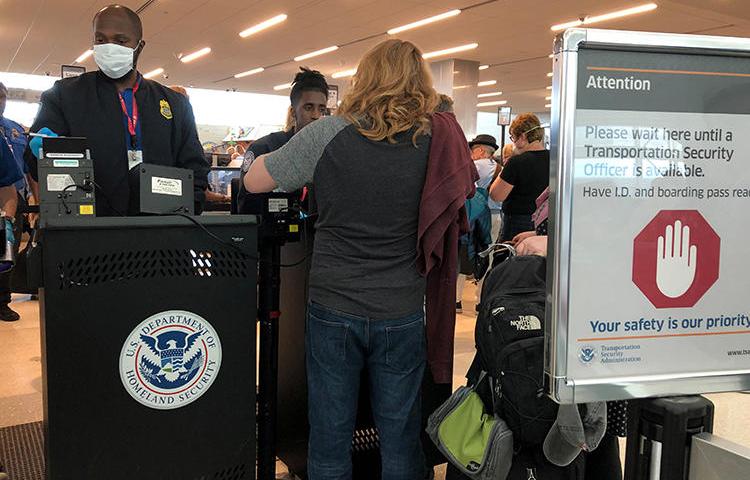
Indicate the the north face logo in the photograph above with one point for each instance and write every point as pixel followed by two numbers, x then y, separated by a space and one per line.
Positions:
pixel 527 322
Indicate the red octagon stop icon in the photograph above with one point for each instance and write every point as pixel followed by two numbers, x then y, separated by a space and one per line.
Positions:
pixel 676 258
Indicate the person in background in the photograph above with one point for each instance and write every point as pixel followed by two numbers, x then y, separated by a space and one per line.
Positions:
pixel 524 178
pixel 308 103
pixel 496 208
pixel 211 196
pixel 309 100
pixel 10 174
pixel 482 147
pixel 367 289
pixel 181 90
pixel 135 120
pixel 445 104
pixel 15 138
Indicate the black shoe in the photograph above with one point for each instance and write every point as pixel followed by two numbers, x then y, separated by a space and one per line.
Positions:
pixel 459 309
pixel 7 314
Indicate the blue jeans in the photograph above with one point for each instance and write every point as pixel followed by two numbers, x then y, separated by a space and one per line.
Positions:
pixel 338 347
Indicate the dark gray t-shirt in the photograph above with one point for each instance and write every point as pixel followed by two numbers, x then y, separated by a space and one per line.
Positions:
pixel 367 194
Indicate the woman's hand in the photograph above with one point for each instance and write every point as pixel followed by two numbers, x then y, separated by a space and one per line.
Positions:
pixel 522 236
pixel 535 245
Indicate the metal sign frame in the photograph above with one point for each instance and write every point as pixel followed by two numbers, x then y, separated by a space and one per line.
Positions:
pixel 559 386
pixel 503 115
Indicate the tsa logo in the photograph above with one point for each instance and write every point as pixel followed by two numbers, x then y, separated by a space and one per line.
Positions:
pixel 587 354
pixel 170 359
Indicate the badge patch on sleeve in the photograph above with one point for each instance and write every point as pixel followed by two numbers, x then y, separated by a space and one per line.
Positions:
pixel 165 109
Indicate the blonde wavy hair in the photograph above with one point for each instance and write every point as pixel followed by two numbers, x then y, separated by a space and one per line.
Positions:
pixel 391 92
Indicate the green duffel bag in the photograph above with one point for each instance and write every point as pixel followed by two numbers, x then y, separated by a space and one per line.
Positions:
pixel 479 444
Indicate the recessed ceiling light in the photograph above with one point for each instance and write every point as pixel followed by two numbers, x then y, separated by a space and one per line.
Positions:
pixel 492 104
pixel 345 73
pixel 283 86
pixel 192 56
pixel 425 21
pixel 549 74
pixel 549 88
pixel 448 51
pixel 548 98
pixel 486 83
pixel 483 67
pixel 322 51
pixel 250 72
pixel 485 95
pixel 549 105
pixel 551 55
pixel 607 16
pixel 153 73
pixel 263 25
pixel 82 58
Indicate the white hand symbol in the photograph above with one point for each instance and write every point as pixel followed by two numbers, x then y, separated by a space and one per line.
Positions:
pixel 675 261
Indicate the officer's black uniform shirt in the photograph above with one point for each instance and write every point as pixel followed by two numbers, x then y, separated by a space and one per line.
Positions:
pixel 269 143
pixel 88 106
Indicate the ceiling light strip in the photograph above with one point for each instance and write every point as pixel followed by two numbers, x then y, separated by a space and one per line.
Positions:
pixel 316 53
pixel 345 73
pixel 493 94
pixel 423 22
pixel 263 25
pixel 486 83
pixel 82 58
pixel 283 86
pixel 195 55
pixel 250 72
pixel 647 7
pixel 448 51
pixel 153 73
pixel 492 104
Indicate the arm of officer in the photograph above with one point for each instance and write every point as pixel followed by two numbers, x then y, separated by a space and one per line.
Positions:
pixel 9 200
pixel 190 155
pixel 50 115
pixel 292 166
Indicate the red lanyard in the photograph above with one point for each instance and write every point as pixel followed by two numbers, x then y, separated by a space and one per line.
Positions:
pixel 132 121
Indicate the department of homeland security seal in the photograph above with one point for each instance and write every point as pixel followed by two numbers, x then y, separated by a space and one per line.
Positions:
pixel 170 359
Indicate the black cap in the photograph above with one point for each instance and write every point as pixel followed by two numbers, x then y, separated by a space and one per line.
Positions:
pixel 488 140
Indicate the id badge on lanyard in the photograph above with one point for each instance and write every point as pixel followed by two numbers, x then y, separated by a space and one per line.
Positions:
pixel 135 156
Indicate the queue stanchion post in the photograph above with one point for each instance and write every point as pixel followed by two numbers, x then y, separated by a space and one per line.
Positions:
pixel 268 307
pixel 660 434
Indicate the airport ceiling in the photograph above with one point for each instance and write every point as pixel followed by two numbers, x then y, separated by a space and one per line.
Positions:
pixel 514 36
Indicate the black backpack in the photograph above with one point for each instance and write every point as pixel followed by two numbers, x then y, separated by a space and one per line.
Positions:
pixel 509 338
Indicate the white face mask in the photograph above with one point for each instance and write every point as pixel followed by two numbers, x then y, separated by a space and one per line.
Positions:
pixel 115 61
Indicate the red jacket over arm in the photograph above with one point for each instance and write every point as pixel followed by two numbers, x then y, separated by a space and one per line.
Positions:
pixel 442 218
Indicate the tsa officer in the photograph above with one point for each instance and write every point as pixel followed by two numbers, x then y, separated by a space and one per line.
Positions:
pixel 12 133
pixel 9 175
pixel 126 118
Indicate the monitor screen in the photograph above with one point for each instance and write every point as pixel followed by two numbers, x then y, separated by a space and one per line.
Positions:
pixel 220 179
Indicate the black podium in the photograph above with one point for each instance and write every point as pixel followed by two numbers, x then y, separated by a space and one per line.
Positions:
pixel 148 348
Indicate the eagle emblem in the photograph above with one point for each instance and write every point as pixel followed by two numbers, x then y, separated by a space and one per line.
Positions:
pixel 171 359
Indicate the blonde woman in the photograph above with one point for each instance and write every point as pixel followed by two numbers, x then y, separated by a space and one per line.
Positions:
pixel 368 166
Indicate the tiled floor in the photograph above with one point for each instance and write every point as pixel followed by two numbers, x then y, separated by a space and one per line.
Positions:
pixel 21 375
